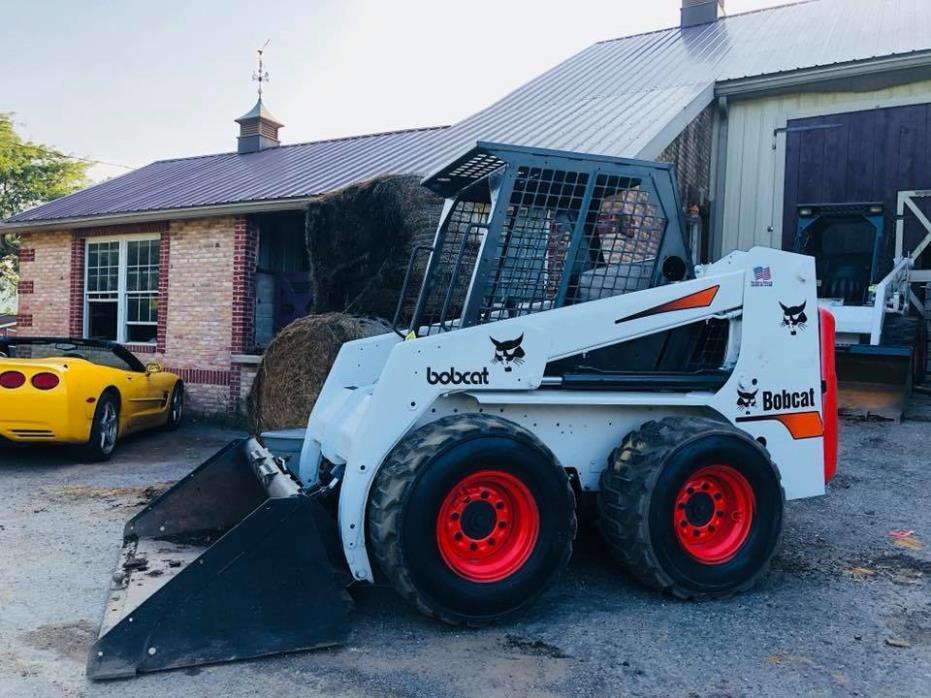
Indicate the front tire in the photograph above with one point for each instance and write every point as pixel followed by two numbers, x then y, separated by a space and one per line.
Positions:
pixel 692 506
pixel 471 518
pixel 104 429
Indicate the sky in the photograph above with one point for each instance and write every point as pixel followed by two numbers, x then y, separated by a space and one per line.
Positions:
pixel 128 82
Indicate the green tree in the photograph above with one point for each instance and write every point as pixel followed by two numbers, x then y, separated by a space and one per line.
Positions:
pixel 30 174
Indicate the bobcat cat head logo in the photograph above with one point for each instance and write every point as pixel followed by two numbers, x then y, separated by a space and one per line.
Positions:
pixel 508 352
pixel 745 398
pixel 794 317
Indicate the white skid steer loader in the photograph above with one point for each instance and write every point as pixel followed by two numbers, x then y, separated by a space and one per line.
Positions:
pixel 560 347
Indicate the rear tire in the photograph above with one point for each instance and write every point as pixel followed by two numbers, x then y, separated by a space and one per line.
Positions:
pixel 471 518
pixel 175 407
pixel 692 506
pixel 104 429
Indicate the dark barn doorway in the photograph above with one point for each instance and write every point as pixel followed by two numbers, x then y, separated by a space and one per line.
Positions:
pixel 862 156
pixel 283 292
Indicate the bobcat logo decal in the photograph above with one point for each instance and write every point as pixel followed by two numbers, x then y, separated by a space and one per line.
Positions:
pixel 508 352
pixel 794 317
pixel 745 398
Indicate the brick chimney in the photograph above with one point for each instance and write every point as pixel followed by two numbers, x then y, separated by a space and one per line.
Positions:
pixel 258 129
pixel 695 12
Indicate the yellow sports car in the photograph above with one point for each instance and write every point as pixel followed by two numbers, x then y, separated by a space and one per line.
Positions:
pixel 82 391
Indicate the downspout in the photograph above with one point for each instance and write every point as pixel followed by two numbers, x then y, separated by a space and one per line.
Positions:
pixel 718 175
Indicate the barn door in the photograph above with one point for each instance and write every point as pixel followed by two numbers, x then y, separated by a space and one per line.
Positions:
pixel 264 308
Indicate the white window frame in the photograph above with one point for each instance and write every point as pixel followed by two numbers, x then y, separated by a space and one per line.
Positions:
pixel 121 292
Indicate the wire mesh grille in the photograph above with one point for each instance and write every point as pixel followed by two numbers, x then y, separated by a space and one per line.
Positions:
pixel 711 348
pixel 564 237
pixel 476 167
pixel 459 237
pixel 544 260
pixel 534 245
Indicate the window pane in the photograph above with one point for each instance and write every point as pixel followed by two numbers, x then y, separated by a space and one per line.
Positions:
pixel 140 333
pixel 142 265
pixel 101 319
pixel 102 258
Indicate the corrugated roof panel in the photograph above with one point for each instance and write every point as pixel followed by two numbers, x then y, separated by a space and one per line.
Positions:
pixel 293 171
pixel 649 78
pixel 621 97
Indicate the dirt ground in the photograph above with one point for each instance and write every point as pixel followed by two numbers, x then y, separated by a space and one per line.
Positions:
pixel 846 610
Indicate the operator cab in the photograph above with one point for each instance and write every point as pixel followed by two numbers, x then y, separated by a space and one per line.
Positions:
pixel 848 244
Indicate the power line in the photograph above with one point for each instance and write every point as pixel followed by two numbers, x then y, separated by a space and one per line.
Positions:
pixel 90 160
pixel 99 162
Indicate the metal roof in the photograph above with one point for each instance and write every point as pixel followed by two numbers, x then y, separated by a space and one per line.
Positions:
pixel 293 172
pixel 628 97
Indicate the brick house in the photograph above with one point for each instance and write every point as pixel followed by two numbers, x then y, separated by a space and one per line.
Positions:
pixel 199 261
pixel 194 262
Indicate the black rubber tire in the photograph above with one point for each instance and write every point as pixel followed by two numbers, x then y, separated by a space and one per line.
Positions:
pixel 410 489
pixel 911 332
pixel 94 450
pixel 638 490
pixel 173 420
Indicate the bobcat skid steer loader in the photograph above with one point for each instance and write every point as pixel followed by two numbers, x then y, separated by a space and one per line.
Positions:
pixel 559 346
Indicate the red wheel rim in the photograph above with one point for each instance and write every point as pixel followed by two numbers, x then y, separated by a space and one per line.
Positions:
pixel 487 526
pixel 713 513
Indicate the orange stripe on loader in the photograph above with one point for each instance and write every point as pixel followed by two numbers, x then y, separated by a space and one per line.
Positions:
pixel 801 425
pixel 699 299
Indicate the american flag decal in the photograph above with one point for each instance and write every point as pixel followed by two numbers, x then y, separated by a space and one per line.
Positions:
pixel 762 274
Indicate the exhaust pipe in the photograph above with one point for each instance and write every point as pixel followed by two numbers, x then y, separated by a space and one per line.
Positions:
pixel 230 563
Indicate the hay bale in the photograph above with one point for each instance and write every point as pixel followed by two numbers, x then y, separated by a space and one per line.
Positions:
pixel 295 366
pixel 359 240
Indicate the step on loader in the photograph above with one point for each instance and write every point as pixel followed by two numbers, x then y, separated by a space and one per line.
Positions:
pixel 553 345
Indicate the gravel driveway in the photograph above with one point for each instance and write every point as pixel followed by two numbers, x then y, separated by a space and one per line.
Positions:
pixel 846 610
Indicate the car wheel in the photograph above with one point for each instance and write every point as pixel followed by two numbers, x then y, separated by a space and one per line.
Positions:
pixel 104 429
pixel 175 408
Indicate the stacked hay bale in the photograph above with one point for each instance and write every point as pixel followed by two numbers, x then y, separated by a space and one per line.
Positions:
pixel 295 366
pixel 359 240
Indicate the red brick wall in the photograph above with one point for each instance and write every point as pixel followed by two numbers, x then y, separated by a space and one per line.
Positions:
pixel 206 299
pixel 76 294
pixel 164 260
pixel 691 154
pixel 243 336
pixel 245 249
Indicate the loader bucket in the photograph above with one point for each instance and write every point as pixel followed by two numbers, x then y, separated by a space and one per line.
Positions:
pixel 873 380
pixel 232 562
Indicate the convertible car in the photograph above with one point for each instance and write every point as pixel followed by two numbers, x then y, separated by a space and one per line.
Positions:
pixel 82 391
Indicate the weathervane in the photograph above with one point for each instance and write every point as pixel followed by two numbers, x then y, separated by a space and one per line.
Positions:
pixel 260 75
